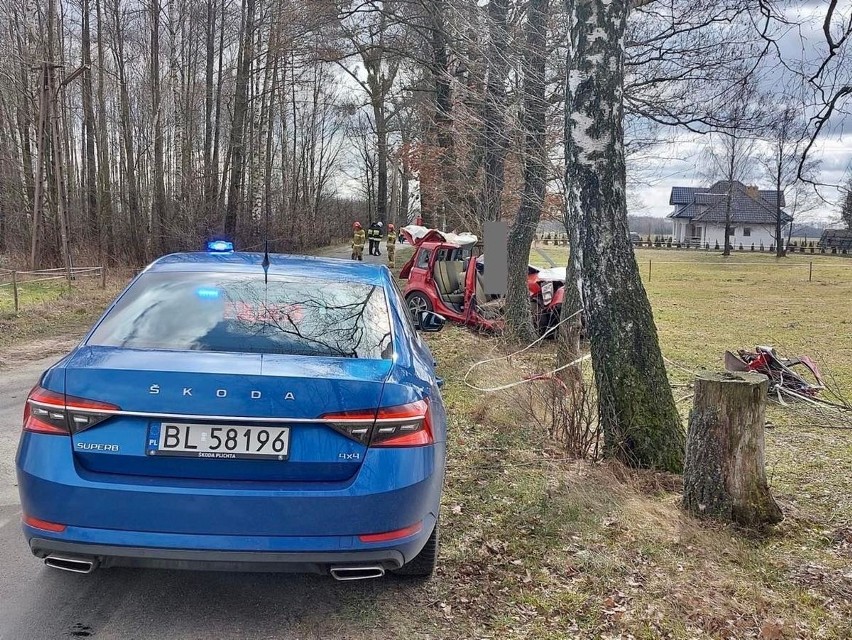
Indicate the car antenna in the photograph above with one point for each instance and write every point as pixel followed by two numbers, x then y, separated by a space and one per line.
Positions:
pixel 265 263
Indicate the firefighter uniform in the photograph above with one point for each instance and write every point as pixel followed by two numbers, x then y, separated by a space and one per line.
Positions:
pixel 358 240
pixel 391 246
pixel 374 236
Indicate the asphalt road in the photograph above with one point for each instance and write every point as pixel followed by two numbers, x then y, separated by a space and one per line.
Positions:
pixel 40 603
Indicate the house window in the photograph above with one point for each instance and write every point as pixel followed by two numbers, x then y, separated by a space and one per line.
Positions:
pixel 733 232
pixel 747 231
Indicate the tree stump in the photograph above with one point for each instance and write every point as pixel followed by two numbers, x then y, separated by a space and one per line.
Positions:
pixel 724 475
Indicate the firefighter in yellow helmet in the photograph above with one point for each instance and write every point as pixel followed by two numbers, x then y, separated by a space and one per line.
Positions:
pixel 358 240
pixel 391 245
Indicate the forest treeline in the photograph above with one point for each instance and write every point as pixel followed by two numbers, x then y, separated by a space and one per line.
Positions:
pixel 131 128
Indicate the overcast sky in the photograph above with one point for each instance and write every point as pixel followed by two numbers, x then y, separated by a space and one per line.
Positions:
pixel 682 161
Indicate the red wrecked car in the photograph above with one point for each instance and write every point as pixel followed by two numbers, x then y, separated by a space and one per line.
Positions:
pixel 441 279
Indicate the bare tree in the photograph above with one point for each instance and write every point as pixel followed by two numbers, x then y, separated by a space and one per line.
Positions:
pixel 731 152
pixel 518 316
pixel 495 135
pixel 780 162
pixel 237 146
pixel 846 206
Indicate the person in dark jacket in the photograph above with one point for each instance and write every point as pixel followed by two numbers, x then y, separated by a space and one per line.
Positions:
pixel 374 236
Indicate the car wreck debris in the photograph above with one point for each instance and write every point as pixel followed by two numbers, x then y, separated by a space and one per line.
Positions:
pixel 782 378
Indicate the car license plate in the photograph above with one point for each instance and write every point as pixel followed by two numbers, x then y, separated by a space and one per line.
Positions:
pixel 219 442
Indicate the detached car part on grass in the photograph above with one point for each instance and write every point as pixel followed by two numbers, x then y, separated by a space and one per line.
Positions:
pixel 440 278
pixel 783 379
pixel 241 411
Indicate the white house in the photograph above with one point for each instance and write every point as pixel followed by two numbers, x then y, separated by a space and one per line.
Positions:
pixel 699 215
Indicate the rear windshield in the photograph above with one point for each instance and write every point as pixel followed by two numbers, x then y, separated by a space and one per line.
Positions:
pixel 239 313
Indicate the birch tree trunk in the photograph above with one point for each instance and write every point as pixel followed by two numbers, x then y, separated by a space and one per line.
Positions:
pixel 636 409
pixel 518 316
pixel 175 74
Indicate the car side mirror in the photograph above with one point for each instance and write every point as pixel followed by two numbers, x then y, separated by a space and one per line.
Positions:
pixel 430 321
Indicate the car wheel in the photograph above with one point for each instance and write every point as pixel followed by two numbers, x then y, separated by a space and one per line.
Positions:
pixel 417 303
pixel 423 564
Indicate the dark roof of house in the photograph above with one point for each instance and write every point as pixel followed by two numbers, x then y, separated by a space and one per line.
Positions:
pixel 708 204
pixel 839 238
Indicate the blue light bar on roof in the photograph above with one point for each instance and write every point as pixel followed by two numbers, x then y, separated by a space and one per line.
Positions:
pixel 220 246
pixel 207 293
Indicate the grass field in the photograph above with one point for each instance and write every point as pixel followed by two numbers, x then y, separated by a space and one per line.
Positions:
pixel 539 546
pixel 704 304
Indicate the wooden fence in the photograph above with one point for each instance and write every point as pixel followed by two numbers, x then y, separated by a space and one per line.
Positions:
pixel 18 279
pixel 811 248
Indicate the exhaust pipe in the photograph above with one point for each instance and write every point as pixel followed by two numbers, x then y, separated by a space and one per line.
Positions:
pixel 74 565
pixel 365 572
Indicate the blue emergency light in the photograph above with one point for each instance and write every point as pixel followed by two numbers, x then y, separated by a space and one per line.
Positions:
pixel 207 293
pixel 220 246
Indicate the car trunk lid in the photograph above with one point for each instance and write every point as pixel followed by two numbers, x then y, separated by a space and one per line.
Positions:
pixel 156 390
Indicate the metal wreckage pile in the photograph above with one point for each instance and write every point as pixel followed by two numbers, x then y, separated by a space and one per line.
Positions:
pixel 787 379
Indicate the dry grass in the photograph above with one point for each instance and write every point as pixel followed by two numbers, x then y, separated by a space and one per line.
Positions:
pixel 50 310
pixel 536 546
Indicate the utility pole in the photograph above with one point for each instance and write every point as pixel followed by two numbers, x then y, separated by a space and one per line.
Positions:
pixel 50 137
pixel 41 143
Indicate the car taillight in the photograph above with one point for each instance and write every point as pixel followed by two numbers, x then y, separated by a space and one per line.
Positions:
pixel 50 412
pixel 43 524
pixel 407 425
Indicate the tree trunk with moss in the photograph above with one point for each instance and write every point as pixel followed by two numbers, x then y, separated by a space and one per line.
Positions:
pixel 724 475
pixel 638 417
